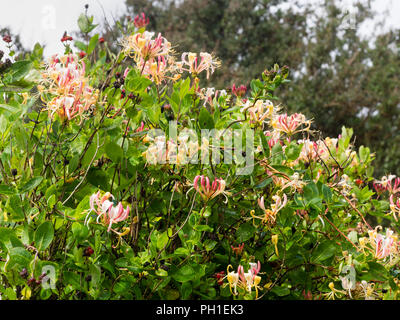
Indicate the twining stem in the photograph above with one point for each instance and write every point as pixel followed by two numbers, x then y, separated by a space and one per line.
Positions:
pixel 342 234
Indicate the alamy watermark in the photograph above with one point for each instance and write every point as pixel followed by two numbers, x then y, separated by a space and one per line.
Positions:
pixel 212 146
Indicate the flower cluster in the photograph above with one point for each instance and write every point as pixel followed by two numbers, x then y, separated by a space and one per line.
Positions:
pixel 65 84
pixel 270 214
pixel 383 245
pixel 260 110
pixel 109 211
pixel 209 191
pixel 244 280
pixel 389 183
pixel 191 63
pixel 290 124
pixel 141 21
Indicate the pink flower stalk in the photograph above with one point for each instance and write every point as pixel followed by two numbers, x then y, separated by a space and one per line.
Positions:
pixel 209 191
pixel 290 125
pixel 141 21
pixel 107 210
pixel 239 91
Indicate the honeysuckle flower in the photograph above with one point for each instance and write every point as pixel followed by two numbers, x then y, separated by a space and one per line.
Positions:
pixel 344 184
pixel 107 210
pixel 391 183
pixel 394 207
pixel 159 69
pixel 384 246
pixel 250 279
pixel 274 137
pixel 270 214
pixel 295 182
pixel 239 91
pixel 64 79
pixel 233 279
pixel 190 63
pixel 209 191
pixel 334 292
pixel 259 111
pixel 238 250
pixel 140 21
pixel 143 48
pixel 292 124
pixel 207 94
pixel 368 290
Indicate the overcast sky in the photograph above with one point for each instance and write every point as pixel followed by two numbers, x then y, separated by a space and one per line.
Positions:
pixel 45 21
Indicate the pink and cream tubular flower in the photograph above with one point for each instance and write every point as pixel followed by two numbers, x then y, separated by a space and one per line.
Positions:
pixel 245 280
pixel 391 183
pixel 141 21
pixel 292 124
pixel 107 210
pixel 191 63
pixel 394 207
pixel 64 81
pixel 384 246
pixel 142 47
pixel 274 137
pixel 260 110
pixel 209 190
pixel 270 214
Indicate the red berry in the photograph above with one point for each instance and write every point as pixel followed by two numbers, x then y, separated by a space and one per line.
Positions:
pixel 88 252
pixel 7 39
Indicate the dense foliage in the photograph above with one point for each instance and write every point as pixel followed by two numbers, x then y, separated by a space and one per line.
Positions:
pixel 119 180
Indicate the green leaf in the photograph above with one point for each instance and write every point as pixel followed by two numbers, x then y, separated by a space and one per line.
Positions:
pixel 31 184
pixel 80 45
pixel 92 43
pixel 265 145
pixel 20 69
pixel 184 274
pixel 7 190
pixel 324 251
pixel 376 272
pixel 114 152
pixel 206 121
pixel 19 258
pixel 8 239
pixel 44 235
pixel 281 291
pixel 85 23
pixel 310 192
pixel 186 290
pixel 245 232
pixel 293 150
pixel 79 231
